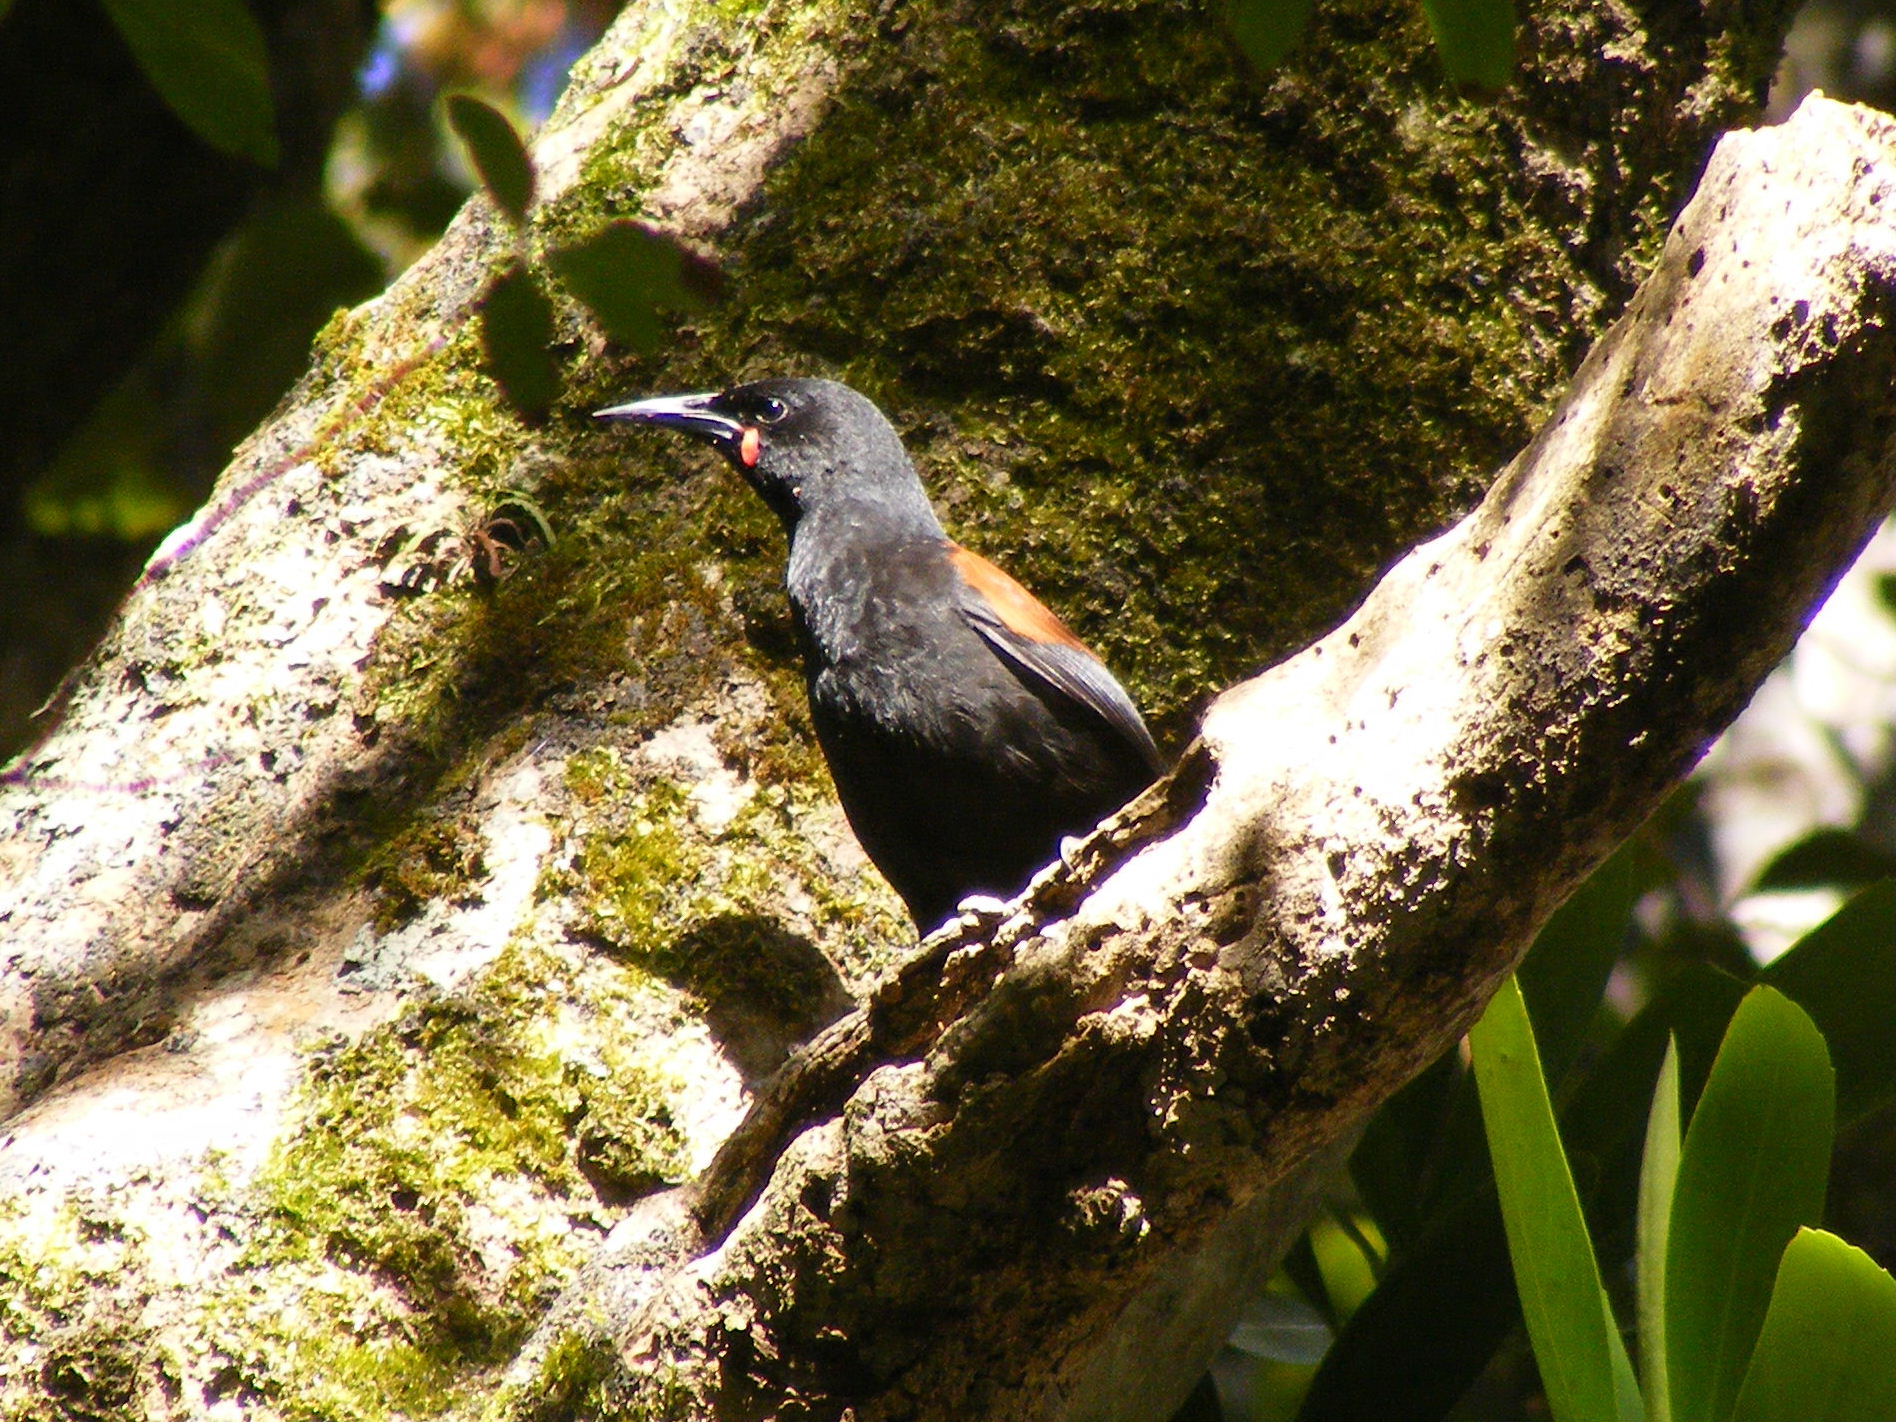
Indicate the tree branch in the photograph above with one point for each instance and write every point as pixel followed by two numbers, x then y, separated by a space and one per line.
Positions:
pixel 1004 1216
pixel 373 939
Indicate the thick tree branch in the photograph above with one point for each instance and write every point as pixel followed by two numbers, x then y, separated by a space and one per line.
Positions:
pixel 200 790
pixel 982 1227
pixel 373 942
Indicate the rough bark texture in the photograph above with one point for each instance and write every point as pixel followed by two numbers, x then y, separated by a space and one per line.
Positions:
pixel 1385 821
pixel 376 943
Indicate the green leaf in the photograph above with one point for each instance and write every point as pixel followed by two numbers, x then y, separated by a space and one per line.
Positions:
pixel 1631 1407
pixel 1475 39
pixel 516 330
pixel 1267 30
pixel 1843 973
pixel 1658 1174
pixel 1826 856
pixel 626 271
pixel 1444 1305
pixel 497 153
pixel 1418 1342
pixel 1568 1318
pixel 1424 1150
pixel 207 61
pixel 1753 1169
pixel 1827 1351
pixel 1565 973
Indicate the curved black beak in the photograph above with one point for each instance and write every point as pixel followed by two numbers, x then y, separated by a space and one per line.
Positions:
pixel 691 413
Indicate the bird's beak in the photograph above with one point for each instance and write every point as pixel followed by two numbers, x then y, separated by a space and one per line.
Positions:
pixel 691 413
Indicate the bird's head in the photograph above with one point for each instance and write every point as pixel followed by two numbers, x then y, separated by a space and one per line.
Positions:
pixel 807 446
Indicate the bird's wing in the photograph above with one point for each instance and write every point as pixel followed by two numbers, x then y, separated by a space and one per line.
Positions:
pixel 1019 626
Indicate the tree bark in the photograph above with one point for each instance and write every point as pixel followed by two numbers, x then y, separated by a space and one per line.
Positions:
pixel 377 944
pixel 1053 1119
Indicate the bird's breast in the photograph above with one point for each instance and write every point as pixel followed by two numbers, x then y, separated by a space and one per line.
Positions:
pixel 884 642
pixel 869 609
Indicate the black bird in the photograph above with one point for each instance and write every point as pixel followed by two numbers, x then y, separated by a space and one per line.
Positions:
pixel 966 727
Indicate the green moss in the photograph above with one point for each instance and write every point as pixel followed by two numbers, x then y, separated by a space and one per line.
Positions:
pixel 1196 354
pixel 638 881
pixel 1029 238
pixel 338 344
pixel 408 1148
pixel 434 858
pixel 627 1145
pixel 573 1379
pixel 596 776
pixel 648 885
pixel 861 919
pixel 1198 413
pixel 76 1283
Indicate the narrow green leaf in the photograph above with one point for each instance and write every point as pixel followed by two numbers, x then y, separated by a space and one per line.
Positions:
pixel 497 153
pixel 1658 1173
pixel 516 330
pixel 1629 1405
pixel 1475 39
pixel 1843 973
pixel 1267 30
pixel 1438 1314
pixel 1444 1304
pixel 1753 1168
pixel 207 61
pixel 1565 973
pixel 1827 1351
pixel 1568 1318
pixel 626 271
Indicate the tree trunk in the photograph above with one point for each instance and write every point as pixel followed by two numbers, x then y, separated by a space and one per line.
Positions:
pixel 382 945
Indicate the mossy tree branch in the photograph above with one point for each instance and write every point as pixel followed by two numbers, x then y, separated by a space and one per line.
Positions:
pixel 997 1219
pixel 374 941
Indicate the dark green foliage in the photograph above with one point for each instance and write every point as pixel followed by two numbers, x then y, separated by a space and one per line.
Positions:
pixel 1445 1305
pixel 1475 39
pixel 1828 856
pixel 498 154
pixel 516 333
pixel 1844 975
pixel 206 58
pixel 626 272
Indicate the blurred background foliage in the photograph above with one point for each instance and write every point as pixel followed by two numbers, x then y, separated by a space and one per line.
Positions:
pixel 158 294
pixel 136 368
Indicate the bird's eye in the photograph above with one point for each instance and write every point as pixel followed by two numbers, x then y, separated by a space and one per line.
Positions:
pixel 770 409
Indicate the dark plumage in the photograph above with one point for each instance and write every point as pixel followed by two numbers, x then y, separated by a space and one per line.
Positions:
pixel 966 728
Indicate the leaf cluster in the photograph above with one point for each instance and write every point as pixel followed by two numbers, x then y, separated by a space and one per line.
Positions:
pixel 207 61
pixel 1667 1166
pixel 1747 1310
pixel 624 273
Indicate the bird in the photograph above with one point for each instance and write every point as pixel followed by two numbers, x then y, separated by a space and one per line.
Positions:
pixel 966 728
